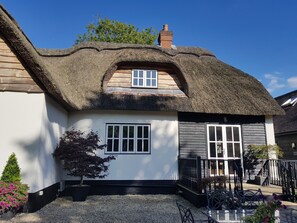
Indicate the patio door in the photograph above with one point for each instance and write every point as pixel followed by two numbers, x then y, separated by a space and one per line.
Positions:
pixel 224 147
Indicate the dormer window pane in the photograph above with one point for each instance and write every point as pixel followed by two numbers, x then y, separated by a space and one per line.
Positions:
pixel 154 83
pixel 154 74
pixel 145 78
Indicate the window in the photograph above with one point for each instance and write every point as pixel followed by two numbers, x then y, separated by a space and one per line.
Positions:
pixel 224 146
pixel 128 138
pixel 145 78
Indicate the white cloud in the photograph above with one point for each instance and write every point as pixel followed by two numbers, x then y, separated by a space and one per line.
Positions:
pixel 292 82
pixel 275 82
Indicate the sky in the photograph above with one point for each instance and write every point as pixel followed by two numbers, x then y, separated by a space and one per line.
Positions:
pixel 258 37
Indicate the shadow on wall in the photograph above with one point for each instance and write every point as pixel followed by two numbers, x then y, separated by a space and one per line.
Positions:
pixel 44 171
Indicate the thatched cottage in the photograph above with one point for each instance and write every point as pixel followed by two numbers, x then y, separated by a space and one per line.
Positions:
pixel 173 101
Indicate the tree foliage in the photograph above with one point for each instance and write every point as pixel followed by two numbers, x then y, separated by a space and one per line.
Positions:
pixel 262 151
pixel 11 172
pixel 77 150
pixel 106 30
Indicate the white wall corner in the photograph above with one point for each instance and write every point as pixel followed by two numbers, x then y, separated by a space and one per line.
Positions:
pixel 269 128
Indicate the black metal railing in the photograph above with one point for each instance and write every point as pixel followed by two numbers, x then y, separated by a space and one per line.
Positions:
pixel 272 171
pixel 194 171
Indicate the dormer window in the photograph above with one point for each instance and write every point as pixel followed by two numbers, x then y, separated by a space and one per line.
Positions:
pixel 144 78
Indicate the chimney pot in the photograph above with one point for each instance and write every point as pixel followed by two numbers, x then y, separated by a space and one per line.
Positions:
pixel 165 27
pixel 165 38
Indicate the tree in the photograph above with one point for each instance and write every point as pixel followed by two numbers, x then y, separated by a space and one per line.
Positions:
pixel 77 150
pixel 117 32
pixel 263 151
pixel 11 172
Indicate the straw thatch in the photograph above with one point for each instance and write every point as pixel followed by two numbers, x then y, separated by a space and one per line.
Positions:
pixel 77 77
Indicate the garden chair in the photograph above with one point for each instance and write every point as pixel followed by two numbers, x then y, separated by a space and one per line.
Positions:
pixel 186 214
pixel 248 199
pixel 221 199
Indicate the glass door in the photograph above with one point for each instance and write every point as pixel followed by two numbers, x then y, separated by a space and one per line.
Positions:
pixel 224 146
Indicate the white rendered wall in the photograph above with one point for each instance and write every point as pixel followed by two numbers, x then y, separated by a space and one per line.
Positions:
pixel 31 125
pixel 269 130
pixel 161 164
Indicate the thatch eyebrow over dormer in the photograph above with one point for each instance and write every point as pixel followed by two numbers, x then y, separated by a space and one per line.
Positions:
pixel 76 77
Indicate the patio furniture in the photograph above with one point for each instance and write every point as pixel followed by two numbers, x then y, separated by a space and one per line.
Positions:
pixel 221 199
pixel 186 214
pixel 288 215
pixel 248 199
pixel 226 216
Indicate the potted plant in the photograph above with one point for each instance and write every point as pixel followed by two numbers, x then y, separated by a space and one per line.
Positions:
pixel 267 212
pixel 77 151
pixel 13 194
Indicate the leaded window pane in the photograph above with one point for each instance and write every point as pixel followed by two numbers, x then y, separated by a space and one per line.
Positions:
pixel 236 133
pixel 219 134
pixel 212 133
pixel 229 133
pixel 125 146
pixel 110 131
pixel 212 150
pixel 139 131
pixel 145 132
pixel 154 74
pixel 145 146
pixel 116 145
pixel 131 131
pixel 109 145
pixel 125 131
pixel 139 145
pixel 220 149
pixel 230 149
pixel 154 83
pixel 116 131
pixel 131 145
pixel 237 149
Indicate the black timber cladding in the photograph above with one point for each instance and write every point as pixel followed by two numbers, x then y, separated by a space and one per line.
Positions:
pixel 193 132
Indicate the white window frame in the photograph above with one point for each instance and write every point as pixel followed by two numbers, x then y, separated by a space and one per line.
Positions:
pixel 144 78
pixel 224 142
pixel 135 139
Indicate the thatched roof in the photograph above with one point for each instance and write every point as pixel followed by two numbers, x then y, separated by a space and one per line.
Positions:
pixel 76 77
pixel 286 123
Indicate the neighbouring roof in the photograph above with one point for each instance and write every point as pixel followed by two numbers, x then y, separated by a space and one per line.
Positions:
pixel 288 122
pixel 75 77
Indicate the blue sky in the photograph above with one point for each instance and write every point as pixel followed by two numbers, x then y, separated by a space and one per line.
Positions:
pixel 256 36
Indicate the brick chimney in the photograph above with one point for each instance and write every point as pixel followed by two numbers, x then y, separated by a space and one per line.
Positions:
pixel 165 38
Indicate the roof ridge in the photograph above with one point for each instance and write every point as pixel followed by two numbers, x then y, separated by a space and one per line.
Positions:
pixel 102 46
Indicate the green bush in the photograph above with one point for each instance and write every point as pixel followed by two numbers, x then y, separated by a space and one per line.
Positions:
pixel 11 172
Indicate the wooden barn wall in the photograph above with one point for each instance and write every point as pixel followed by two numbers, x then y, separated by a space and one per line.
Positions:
pixel 253 133
pixel 13 75
pixel 193 132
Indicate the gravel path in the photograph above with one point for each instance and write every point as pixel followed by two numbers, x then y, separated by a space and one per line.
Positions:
pixel 111 209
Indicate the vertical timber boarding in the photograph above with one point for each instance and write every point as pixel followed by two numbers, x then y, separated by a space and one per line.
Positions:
pixel 193 132
pixel 253 133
